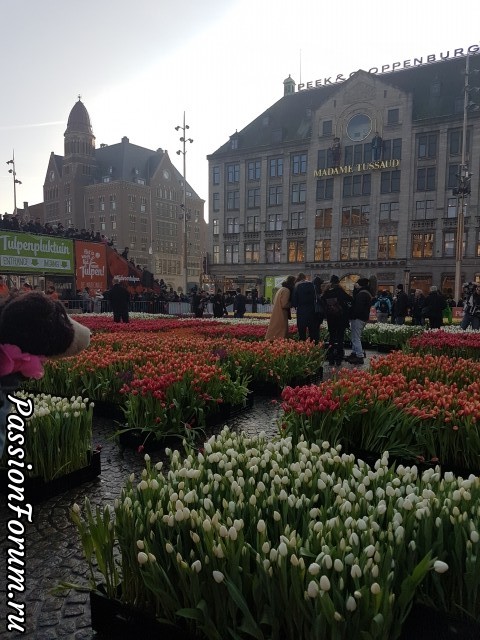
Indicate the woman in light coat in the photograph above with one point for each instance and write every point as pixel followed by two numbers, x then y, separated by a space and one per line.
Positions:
pixel 278 325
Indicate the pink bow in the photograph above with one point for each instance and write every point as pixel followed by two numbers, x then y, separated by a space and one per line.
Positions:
pixel 13 360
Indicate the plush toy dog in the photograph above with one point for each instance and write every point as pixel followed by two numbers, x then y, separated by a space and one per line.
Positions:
pixel 33 327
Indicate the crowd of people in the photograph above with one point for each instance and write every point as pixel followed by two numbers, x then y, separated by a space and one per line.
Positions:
pixel 318 301
pixel 16 223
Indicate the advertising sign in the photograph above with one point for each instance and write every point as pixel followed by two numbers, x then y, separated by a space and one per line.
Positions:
pixel 91 265
pixel 25 252
pixel 123 271
pixel 272 285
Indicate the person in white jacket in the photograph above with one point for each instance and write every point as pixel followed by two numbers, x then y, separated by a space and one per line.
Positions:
pixel 97 301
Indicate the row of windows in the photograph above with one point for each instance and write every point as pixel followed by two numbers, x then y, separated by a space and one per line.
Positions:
pixel 350 249
pixel 352 216
pixel 353 185
pixel 298 165
pixel 359 153
pixel 426 148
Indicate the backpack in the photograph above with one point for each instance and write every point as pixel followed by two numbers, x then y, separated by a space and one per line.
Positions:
pixel 383 306
pixel 333 309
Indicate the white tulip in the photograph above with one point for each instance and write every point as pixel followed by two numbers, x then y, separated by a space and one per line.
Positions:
pixel 440 567
pixel 324 583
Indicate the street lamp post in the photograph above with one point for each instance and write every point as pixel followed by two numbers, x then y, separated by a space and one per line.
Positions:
pixel 183 151
pixel 461 192
pixel 15 182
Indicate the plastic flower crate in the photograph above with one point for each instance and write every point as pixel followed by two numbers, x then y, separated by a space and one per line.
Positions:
pixel 37 490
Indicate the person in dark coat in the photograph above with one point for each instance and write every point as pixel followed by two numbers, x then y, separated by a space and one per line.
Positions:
pixel 199 303
pixel 417 303
pixel 254 300
pixel 400 305
pixel 219 307
pixel 239 304
pixel 304 302
pixel 359 315
pixel 319 316
pixel 337 303
pixel 435 303
pixel 119 300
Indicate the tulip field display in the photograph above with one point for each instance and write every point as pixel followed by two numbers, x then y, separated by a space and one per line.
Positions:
pixel 58 435
pixel 391 335
pixel 419 408
pixel 451 341
pixel 281 540
pixel 171 382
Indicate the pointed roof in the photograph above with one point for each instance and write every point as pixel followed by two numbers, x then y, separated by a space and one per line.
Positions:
pixel 79 120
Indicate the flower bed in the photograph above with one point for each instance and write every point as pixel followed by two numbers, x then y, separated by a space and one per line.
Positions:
pixel 176 382
pixel 414 418
pixel 451 342
pixel 270 540
pixel 58 436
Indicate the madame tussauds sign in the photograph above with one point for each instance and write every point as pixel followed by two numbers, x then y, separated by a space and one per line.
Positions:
pixel 27 252
pixel 355 168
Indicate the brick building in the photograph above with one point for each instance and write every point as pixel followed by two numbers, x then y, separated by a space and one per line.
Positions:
pixel 130 194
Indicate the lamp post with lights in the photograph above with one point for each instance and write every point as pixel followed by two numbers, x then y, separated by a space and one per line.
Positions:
pixel 183 128
pixel 15 182
pixel 462 191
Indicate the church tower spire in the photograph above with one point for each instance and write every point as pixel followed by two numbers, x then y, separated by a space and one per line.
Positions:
pixel 79 143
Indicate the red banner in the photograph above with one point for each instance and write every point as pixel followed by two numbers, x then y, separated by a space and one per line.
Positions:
pixel 123 271
pixel 90 265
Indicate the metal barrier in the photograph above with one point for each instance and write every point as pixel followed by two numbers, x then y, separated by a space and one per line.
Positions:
pixel 152 306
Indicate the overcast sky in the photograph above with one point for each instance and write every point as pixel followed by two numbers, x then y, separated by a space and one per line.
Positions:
pixel 138 65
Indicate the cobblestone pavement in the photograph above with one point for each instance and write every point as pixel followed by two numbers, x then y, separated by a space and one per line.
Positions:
pixel 53 551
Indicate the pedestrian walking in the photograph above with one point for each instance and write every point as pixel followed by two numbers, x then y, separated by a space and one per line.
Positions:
pixel 359 315
pixel 119 300
pixel 400 306
pixel 337 303
pixel 304 302
pixel 239 304
pixel 278 325
pixel 435 303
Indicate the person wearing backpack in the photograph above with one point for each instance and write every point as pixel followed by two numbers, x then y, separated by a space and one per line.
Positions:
pixel 359 314
pixel 336 302
pixel 383 307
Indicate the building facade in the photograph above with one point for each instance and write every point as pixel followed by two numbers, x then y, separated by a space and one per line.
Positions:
pixel 130 194
pixel 354 178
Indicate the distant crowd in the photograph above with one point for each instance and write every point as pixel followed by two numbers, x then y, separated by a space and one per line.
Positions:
pixel 15 223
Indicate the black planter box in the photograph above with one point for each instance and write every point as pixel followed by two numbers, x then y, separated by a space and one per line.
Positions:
pixel 135 438
pixel 114 619
pixel 37 490
pixel 269 389
pixel 107 409
pixel 425 623
pixel 228 411
pixel 387 348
